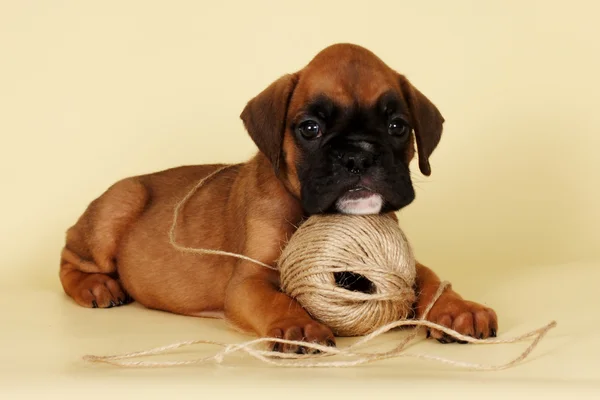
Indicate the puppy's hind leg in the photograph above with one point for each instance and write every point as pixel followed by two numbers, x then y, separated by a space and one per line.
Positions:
pixel 88 269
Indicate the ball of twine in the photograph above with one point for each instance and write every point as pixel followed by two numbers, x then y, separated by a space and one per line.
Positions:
pixel 352 273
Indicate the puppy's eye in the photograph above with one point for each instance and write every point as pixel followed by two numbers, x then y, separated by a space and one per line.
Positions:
pixel 310 129
pixel 398 127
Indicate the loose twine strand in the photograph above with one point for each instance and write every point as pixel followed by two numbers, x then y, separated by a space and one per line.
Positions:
pixel 306 360
pixel 194 250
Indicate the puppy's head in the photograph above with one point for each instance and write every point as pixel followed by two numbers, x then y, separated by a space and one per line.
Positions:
pixel 341 132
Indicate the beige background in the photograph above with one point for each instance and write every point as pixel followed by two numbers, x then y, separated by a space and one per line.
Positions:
pixel 94 91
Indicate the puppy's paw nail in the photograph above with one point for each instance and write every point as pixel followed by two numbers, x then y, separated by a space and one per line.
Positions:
pixel 94 304
pixel 445 339
pixel 493 333
pixel 112 304
pixel 330 342
pixel 428 335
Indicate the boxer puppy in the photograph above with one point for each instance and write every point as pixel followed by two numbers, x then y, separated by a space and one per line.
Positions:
pixel 335 137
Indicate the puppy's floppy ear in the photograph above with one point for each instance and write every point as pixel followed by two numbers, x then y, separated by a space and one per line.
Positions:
pixel 264 117
pixel 427 123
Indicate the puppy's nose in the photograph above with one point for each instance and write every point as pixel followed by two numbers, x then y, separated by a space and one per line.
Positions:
pixel 357 163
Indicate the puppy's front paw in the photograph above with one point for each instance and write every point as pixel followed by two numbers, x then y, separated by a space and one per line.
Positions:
pixel 306 330
pixel 465 317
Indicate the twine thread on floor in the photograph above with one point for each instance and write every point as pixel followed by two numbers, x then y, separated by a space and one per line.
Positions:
pixel 299 360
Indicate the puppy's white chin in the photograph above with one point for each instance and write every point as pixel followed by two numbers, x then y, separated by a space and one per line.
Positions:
pixel 370 204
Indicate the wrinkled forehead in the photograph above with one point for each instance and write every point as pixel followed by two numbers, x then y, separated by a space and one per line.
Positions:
pixel 346 83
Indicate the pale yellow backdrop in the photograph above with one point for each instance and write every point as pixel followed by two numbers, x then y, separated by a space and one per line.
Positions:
pixel 94 91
